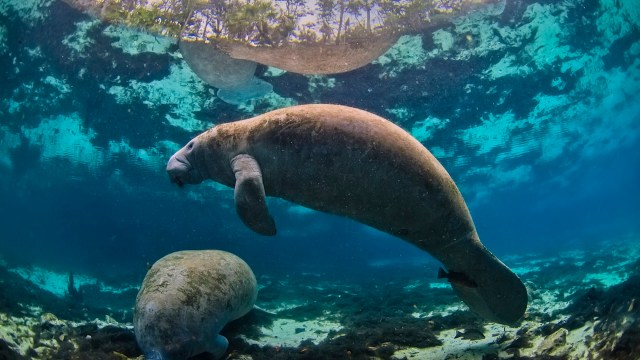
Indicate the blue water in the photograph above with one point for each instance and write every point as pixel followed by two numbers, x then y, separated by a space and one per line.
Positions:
pixel 537 119
pixel 110 214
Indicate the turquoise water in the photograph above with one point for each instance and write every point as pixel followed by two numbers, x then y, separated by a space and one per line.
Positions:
pixel 532 107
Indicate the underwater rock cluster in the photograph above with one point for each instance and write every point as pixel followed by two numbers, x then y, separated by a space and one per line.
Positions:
pixel 390 317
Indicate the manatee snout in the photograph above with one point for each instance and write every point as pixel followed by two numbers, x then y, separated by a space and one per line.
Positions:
pixel 177 169
pixel 180 169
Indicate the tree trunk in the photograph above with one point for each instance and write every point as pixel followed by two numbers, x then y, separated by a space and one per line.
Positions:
pixel 340 21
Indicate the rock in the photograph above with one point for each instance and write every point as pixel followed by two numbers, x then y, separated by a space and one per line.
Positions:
pixel 553 343
pixel 6 352
pixel 48 321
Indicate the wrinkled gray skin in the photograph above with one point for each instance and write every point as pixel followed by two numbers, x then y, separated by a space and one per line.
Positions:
pixel 185 300
pixel 352 163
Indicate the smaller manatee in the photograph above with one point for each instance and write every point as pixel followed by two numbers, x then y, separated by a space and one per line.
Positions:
pixel 186 298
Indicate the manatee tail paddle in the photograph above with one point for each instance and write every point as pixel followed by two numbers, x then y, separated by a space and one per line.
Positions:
pixel 487 285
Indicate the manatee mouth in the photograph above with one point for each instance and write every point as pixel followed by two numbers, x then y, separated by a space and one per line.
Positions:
pixel 177 180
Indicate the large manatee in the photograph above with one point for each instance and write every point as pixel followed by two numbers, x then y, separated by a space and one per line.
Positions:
pixel 349 162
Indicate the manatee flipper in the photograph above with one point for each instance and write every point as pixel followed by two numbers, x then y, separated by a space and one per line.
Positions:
pixel 218 346
pixel 253 89
pixel 249 194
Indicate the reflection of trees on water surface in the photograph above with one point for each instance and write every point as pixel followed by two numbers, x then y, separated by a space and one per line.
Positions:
pixel 305 37
pixel 278 22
